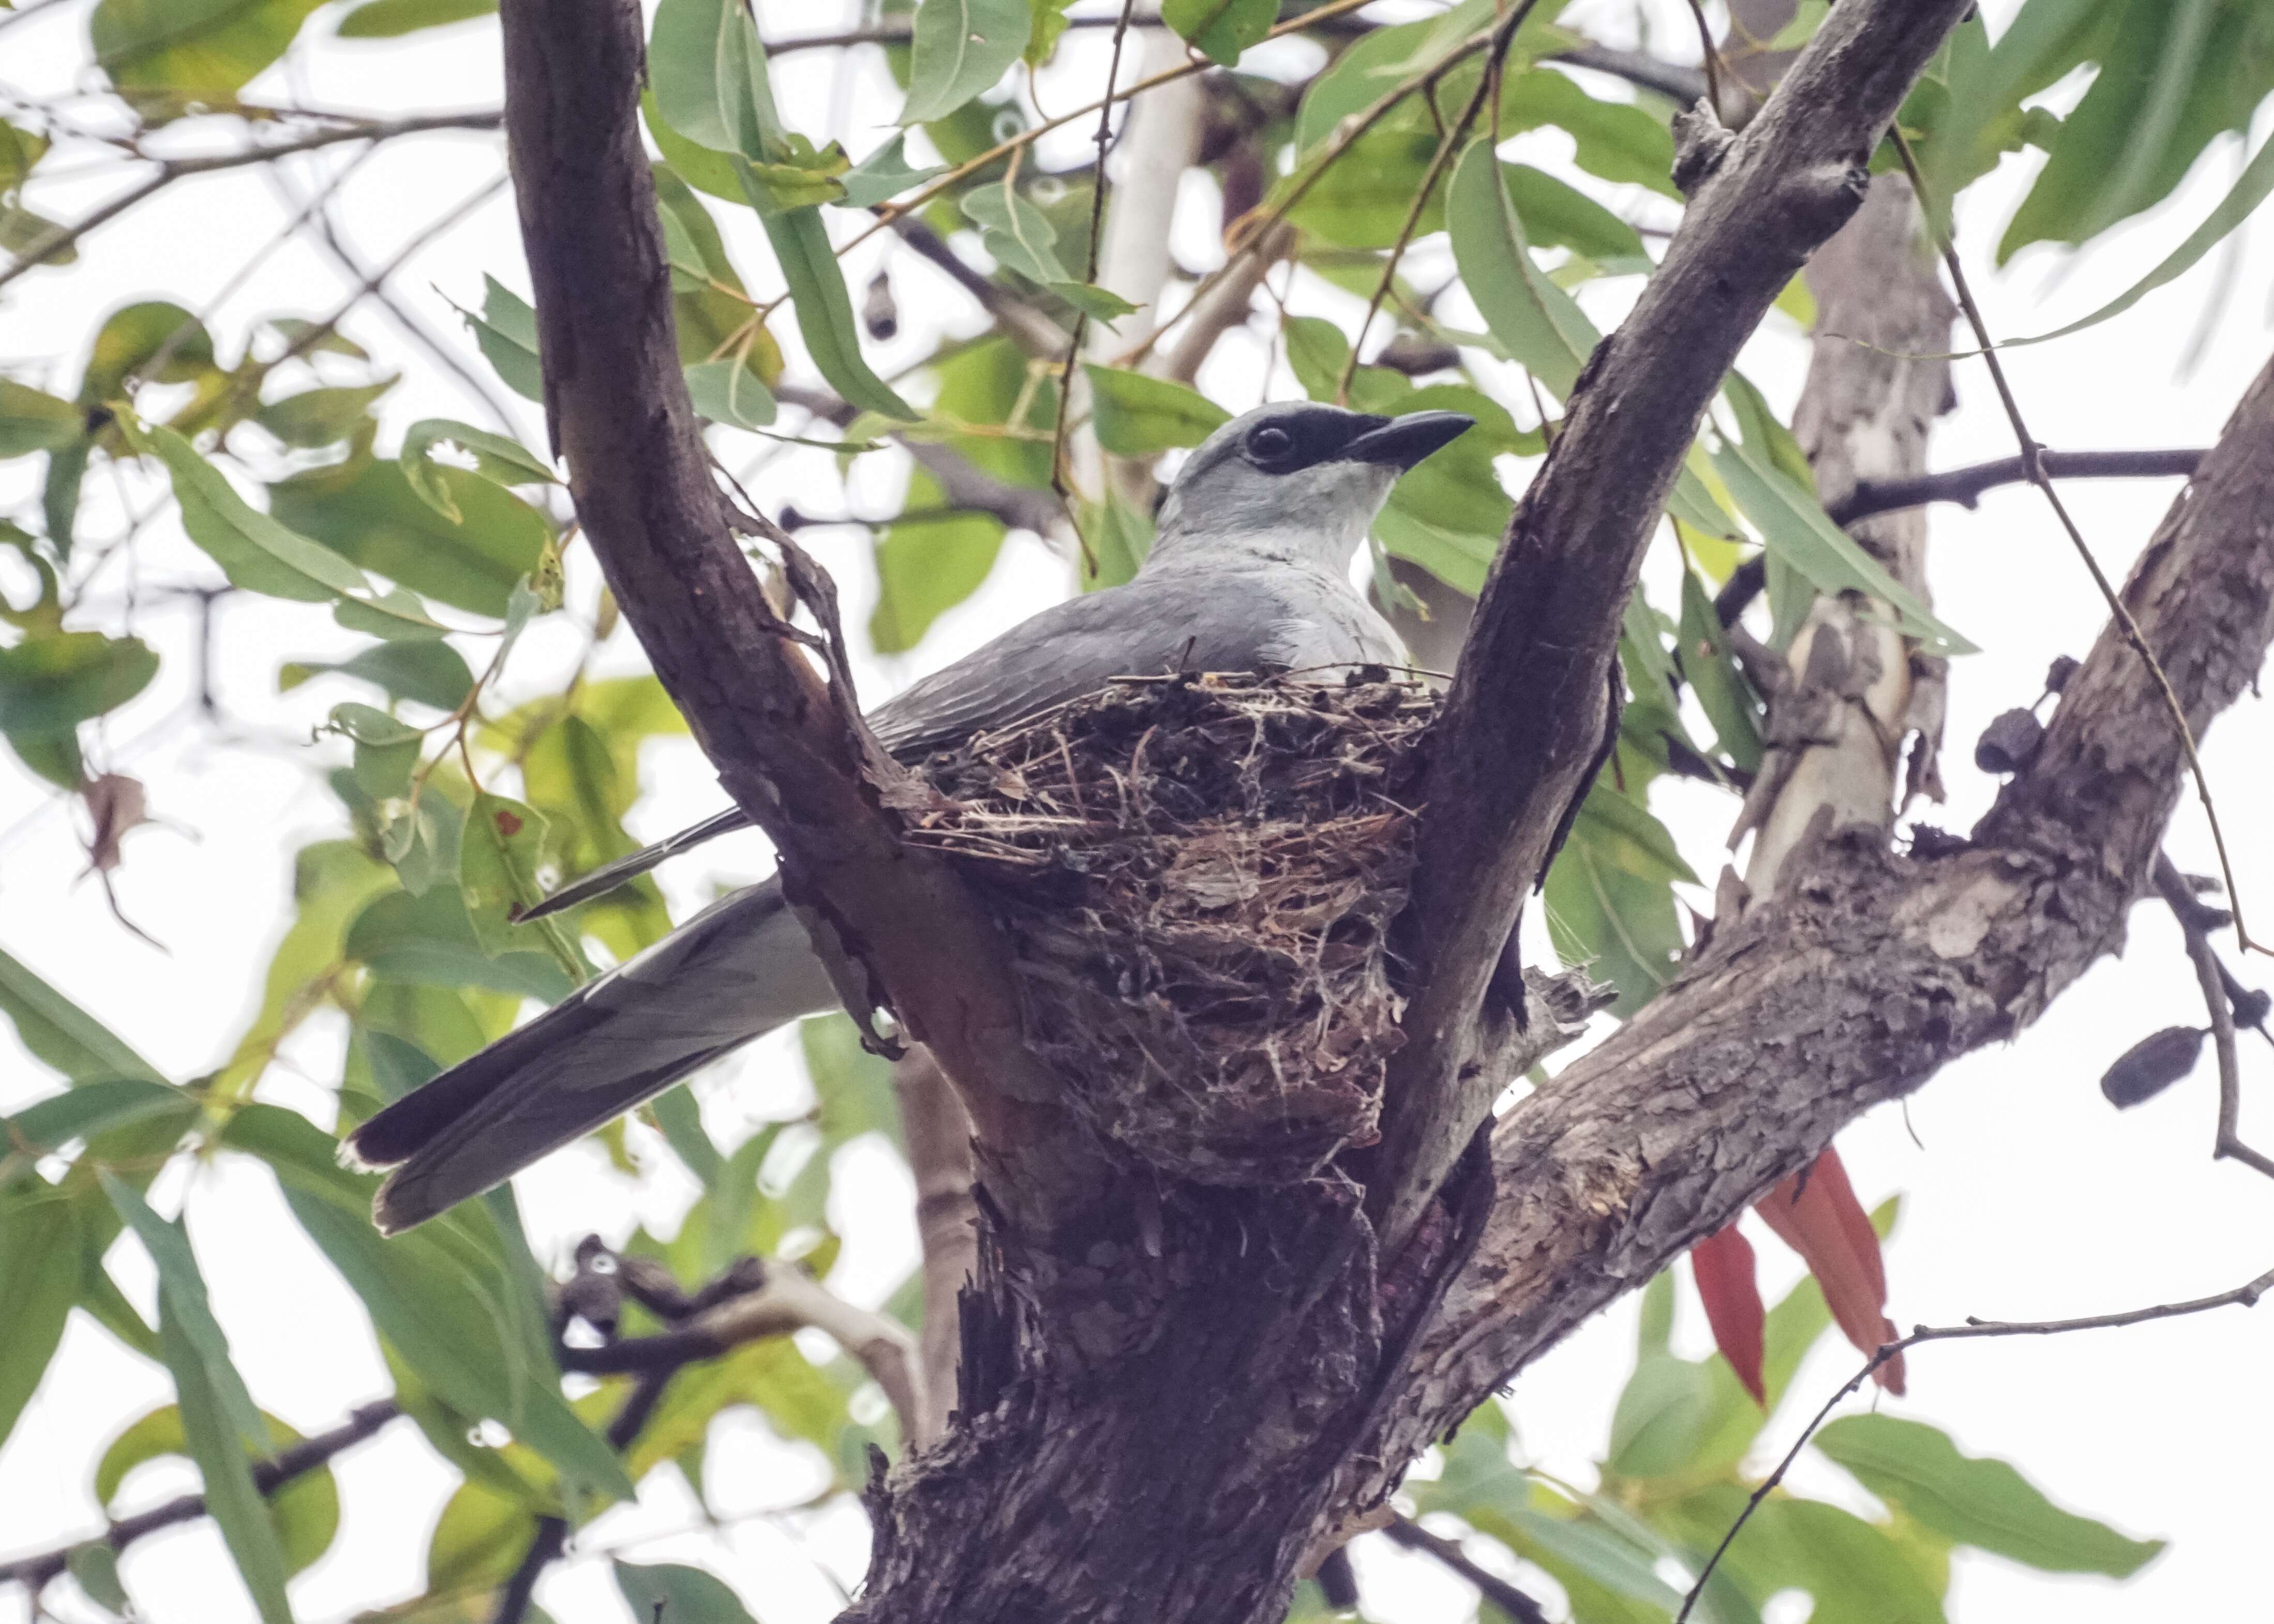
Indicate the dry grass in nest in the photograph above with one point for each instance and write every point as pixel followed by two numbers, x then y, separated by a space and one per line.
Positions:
pixel 1198 875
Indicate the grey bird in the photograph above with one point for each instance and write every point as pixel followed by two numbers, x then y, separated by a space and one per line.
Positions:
pixel 1251 569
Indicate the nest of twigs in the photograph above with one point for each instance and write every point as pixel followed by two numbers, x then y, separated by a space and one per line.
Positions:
pixel 1197 876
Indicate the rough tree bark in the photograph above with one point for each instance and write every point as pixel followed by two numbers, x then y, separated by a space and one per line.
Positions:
pixel 1871 971
pixel 1171 1394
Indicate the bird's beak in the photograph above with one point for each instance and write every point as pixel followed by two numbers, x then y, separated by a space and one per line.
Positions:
pixel 1403 441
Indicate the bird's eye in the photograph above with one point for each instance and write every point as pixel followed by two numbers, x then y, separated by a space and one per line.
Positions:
pixel 1270 442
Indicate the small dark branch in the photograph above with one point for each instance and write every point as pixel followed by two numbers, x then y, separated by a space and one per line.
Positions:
pixel 1030 329
pixel 34 1572
pixel 2244 1295
pixel 2211 975
pixel 962 483
pixel 1682 85
pixel 1496 1589
pixel 171 170
pixel 1522 721
pixel 1964 487
pixel 2033 461
pixel 551 1538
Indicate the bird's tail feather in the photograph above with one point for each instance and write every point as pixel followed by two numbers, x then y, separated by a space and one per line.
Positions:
pixel 739 969
pixel 624 870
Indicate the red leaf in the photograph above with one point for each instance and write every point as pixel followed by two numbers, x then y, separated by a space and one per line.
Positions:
pixel 1817 1215
pixel 1724 1266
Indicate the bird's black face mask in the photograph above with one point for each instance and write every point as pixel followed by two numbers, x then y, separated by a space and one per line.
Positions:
pixel 1306 436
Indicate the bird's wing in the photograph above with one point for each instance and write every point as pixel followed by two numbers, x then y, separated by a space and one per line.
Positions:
pixel 739 969
pixel 1224 619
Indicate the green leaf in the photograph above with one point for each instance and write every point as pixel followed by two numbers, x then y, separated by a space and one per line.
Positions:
pixel 1983 1503
pixel 1136 415
pixel 50 684
pixel 1601 913
pixel 1098 304
pixel 385 750
pixel 32 421
pixel 201 50
pixel 1714 674
pixel 1613 140
pixel 1221 29
pixel 94 1567
pixel 730 393
pixel 1361 199
pixel 318 418
pixel 496 458
pixel 1015 232
pixel 507 333
pixel 1661 1419
pixel 853 1087
pixel 182 1297
pixel 1857 1574
pixel 47 1125
pixel 2249 190
pixel 1536 321
pixel 926 566
pixel 478 1540
pixel 1794 525
pixel 130 342
pixel 1120 537
pixel 428 939
pixel 884 175
pixel 260 554
pixel 389 20
pixel 61 1034
pixel 708 71
pixel 959 48
pixel 2134 133
pixel 680 1594
pixel 425 673
pixel 369 513
pixel 824 310
pixel 1558 215
pixel 438 1296
pixel 306 1511
pixel 214 1442
pixel 40 1269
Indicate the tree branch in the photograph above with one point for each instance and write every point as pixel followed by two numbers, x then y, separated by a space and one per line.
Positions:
pixel 1964 487
pixel 790 747
pixel 1868 973
pixel 1520 1607
pixel 2244 1295
pixel 786 1299
pixel 1523 719
pixel 2211 975
pixel 34 1572
pixel 46 247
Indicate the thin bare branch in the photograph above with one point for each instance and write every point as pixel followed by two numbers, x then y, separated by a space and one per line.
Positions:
pixel 2244 1295
pixel 2212 976
pixel 1487 86
pixel 1964 487
pixel 46 247
pixel 1518 1606
pixel 2032 459
pixel 298 1459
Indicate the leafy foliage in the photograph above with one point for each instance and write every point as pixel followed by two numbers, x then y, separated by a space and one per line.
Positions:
pixel 453 806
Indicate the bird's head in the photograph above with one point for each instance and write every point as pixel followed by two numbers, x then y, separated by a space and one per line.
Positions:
pixel 1298 481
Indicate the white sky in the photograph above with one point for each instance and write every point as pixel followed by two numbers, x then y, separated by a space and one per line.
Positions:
pixel 2026 1196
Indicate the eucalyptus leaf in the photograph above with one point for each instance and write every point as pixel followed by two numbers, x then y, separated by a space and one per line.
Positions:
pixel 959 48
pixel 1136 415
